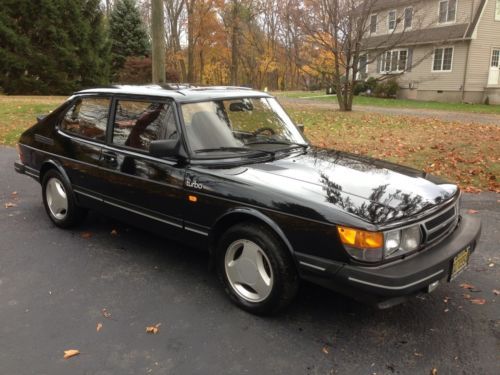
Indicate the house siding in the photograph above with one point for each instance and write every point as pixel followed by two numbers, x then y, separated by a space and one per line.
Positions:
pixel 486 38
pixel 421 76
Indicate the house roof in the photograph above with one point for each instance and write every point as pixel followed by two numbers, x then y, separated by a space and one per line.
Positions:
pixel 432 35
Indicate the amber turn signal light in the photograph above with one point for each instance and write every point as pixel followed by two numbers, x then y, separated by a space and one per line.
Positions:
pixel 360 238
pixel 193 198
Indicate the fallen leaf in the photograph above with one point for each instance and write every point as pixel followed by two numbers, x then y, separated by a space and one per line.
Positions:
pixel 478 301
pixel 70 353
pixel 467 296
pixel 86 235
pixel 496 292
pixel 10 204
pixel 99 326
pixel 491 265
pixel 106 313
pixel 153 329
pixel 417 354
pixel 14 193
pixel 325 349
pixel 114 232
pixel 466 286
pixel 472 212
pixel 434 371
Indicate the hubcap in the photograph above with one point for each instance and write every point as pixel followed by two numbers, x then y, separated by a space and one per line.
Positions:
pixel 57 201
pixel 248 270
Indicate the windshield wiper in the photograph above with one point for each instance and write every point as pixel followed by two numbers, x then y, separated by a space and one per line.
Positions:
pixel 234 149
pixel 303 145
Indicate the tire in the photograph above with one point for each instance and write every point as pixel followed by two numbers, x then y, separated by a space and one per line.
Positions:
pixel 256 269
pixel 59 200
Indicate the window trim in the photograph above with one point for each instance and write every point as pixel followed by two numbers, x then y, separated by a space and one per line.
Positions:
pixel 389 20
pixel 376 23
pixel 442 61
pixel 59 126
pixel 404 19
pixel 496 13
pixel 493 49
pixel 397 71
pixel 447 12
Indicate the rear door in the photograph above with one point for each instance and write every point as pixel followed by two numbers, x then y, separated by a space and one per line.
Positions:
pixel 148 189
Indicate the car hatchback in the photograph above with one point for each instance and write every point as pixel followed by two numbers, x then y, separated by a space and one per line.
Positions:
pixel 226 170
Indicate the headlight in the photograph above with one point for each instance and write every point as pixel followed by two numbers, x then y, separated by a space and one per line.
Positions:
pixel 376 246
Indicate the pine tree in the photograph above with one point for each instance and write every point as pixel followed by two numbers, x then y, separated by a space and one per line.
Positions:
pixel 52 46
pixel 127 32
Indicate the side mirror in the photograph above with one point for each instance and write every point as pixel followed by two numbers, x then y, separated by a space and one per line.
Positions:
pixel 301 128
pixel 164 148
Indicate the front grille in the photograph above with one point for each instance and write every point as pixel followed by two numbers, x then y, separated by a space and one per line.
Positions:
pixel 439 226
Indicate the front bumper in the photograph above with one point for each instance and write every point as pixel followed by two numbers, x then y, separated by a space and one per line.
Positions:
pixel 392 283
pixel 19 167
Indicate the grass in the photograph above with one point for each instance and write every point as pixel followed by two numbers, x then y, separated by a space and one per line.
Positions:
pixel 19 112
pixel 463 153
pixel 395 103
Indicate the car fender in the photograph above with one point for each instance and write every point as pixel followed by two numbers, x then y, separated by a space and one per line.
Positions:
pixel 51 163
pixel 252 213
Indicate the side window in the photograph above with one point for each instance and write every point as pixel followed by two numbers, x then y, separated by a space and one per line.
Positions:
pixel 137 123
pixel 87 117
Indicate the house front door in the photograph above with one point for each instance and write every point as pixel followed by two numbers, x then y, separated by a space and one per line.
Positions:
pixel 494 76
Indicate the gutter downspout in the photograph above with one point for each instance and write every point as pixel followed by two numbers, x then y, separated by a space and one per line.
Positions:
pixel 468 50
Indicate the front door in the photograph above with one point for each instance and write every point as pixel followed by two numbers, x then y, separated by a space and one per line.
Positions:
pixel 494 76
pixel 149 189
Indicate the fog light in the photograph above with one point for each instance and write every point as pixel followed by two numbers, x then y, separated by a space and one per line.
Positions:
pixel 432 286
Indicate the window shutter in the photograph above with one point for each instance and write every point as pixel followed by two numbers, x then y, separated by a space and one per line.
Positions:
pixel 379 63
pixel 409 61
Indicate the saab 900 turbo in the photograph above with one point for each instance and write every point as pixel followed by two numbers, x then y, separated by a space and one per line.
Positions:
pixel 225 169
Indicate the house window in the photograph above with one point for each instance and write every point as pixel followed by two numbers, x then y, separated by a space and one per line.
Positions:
pixel 391 20
pixel 447 11
pixel 394 61
pixel 443 58
pixel 409 17
pixel 497 12
pixel 373 23
pixel 362 67
pixel 495 58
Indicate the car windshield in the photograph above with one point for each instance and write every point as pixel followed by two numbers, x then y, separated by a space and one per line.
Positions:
pixel 243 125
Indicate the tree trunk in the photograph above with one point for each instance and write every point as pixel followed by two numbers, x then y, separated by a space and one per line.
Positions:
pixel 158 45
pixel 235 30
pixel 190 49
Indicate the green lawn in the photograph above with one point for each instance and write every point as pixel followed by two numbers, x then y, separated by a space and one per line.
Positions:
pixel 394 103
pixel 19 112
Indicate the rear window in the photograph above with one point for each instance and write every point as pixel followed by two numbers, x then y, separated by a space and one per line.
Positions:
pixel 87 117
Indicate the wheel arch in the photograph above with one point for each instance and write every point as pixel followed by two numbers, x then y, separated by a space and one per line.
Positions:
pixel 53 164
pixel 242 214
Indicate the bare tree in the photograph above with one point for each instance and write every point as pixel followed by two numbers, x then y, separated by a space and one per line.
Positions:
pixel 175 10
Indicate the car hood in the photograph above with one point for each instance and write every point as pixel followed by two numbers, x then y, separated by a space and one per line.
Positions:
pixel 373 190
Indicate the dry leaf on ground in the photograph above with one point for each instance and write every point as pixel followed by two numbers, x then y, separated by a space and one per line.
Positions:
pixel 325 349
pixel 106 313
pixel 434 371
pixel 70 353
pixel 496 292
pixel 14 193
pixel 478 301
pixel 114 232
pixel 86 235
pixel 472 212
pixel 99 327
pixel 10 204
pixel 153 329
pixel 466 286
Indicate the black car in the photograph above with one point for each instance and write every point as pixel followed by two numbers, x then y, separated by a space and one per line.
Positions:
pixel 225 169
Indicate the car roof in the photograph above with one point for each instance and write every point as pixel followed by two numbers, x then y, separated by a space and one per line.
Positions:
pixel 179 93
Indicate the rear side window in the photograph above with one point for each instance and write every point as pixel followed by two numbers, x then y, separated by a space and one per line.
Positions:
pixel 137 123
pixel 87 117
